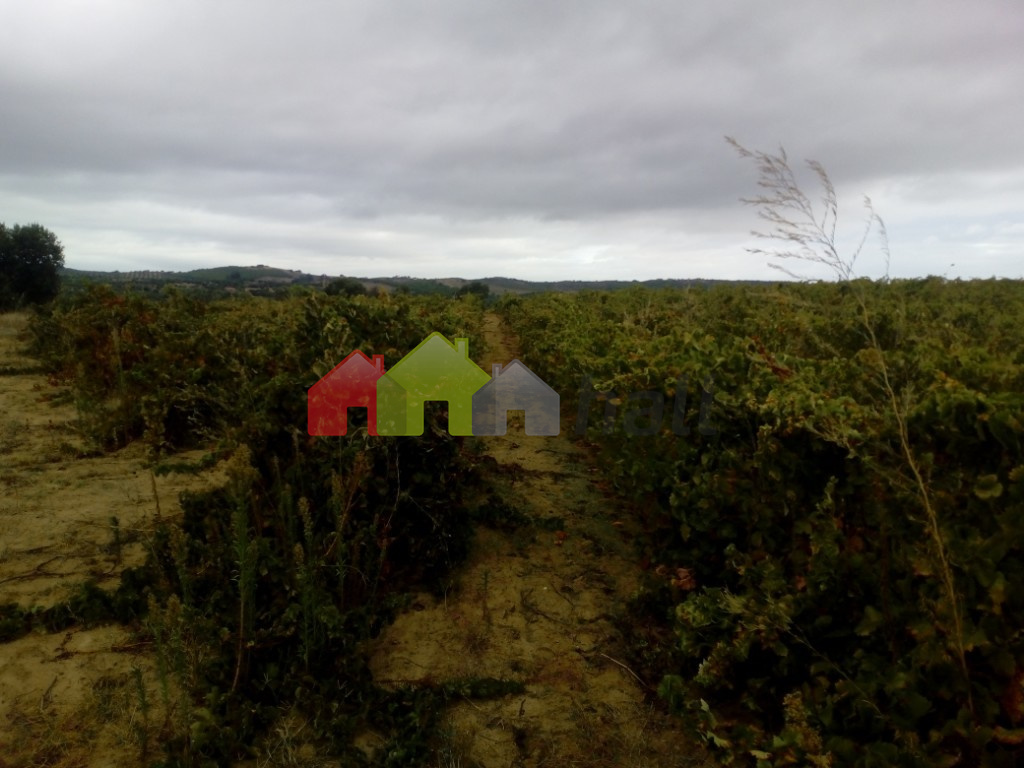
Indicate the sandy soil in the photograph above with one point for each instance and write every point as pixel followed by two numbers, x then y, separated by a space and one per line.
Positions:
pixel 539 604
pixel 70 698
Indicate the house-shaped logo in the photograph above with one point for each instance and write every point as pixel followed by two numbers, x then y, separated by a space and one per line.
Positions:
pixel 435 371
pixel 352 382
pixel 515 388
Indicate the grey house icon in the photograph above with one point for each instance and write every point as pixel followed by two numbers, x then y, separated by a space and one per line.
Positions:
pixel 515 388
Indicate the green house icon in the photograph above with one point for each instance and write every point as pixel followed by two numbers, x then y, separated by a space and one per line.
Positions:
pixel 436 370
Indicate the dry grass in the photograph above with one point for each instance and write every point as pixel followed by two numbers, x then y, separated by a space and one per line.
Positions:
pixel 108 728
pixel 12 435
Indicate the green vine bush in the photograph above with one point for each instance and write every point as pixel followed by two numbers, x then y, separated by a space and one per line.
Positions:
pixel 263 597
pixel 817 619
pixel 184 373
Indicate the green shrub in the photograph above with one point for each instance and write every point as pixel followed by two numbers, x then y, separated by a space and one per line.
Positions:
pixel 818 622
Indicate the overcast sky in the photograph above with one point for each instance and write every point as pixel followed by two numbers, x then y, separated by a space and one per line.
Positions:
pixel 538 140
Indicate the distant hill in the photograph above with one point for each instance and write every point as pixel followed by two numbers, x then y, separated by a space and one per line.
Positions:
pixel 225 275
pixel 500 285
pixel 266 277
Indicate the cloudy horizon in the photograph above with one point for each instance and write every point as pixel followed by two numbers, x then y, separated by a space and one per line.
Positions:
pixel 537 141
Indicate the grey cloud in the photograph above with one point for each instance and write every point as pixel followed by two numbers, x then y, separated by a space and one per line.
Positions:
pixel 336 115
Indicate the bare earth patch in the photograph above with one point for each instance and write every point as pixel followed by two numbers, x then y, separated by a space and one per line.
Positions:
pixel 539 605
pixel 70 698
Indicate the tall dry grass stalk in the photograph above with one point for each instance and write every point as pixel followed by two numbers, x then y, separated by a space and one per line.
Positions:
pixel 809 236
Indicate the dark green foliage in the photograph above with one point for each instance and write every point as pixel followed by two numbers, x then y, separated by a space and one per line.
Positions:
pixel 262 600
pixel 817 622
pixel 411 715
pixel 87 605
pixel 345 286
pixel 186 373
pixel 416 286
pixel 337 530
pixel 475 288
pixel 30 259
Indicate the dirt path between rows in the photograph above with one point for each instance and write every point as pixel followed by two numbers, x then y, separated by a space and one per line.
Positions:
pixel 539 604
pixel 66 517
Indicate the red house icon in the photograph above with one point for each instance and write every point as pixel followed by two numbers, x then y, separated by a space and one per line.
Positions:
pixel 351 383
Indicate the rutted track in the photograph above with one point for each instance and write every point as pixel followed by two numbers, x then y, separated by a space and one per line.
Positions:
pixel 539 604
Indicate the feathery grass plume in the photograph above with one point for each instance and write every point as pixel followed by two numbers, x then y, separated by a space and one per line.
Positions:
pixel 115 538
pixel 156 495
pixel 809 236
pixel 806 235
pixel 343 496
pixel 175 666
pixel 305 564
pixel 245 551
pixel 242 476
pixel 141 729
pixel 156 627
pixel 178 543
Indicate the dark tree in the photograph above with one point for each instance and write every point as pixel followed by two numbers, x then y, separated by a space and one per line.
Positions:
pixel 475 288
pixel 31 257
pixel 346 286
